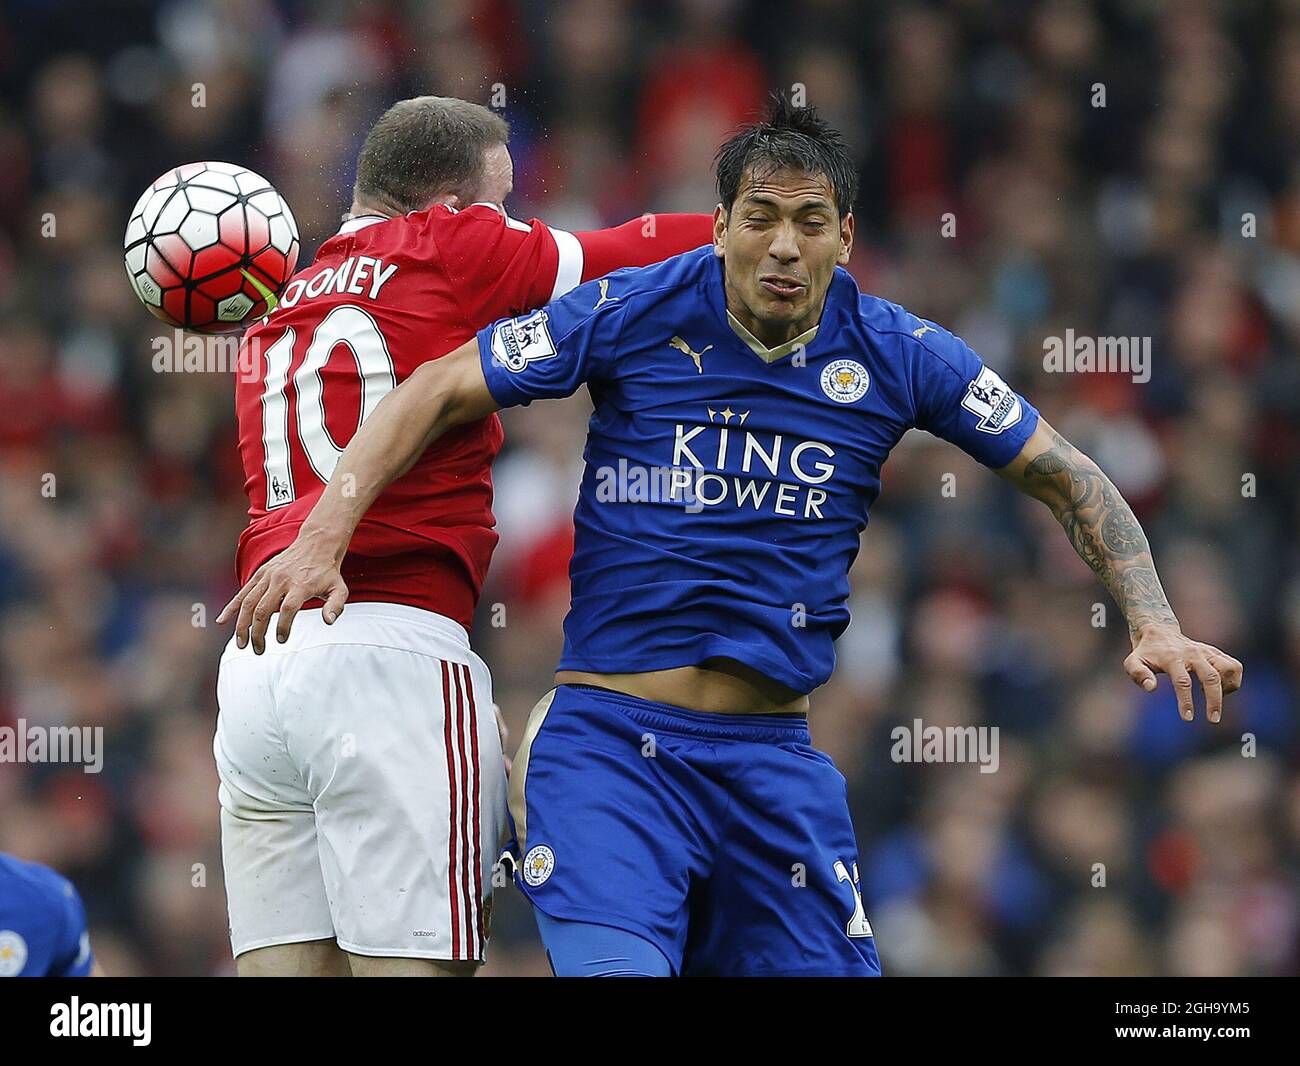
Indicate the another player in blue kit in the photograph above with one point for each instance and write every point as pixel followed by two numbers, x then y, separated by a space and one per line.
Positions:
pixel 42 923
pixel 670 813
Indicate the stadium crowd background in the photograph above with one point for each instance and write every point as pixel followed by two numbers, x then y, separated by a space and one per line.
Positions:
pixel 1129 219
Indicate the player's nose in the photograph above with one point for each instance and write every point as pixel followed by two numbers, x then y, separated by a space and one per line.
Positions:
pixel 785 244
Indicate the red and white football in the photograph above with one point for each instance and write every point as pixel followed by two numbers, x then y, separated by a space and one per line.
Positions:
pixel 209 247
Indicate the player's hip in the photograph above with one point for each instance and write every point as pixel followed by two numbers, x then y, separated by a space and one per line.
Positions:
pixel 688 766
pixel 722 687
pixel 371 623
pixel 437 568
pixel 387 693
pixel 595 710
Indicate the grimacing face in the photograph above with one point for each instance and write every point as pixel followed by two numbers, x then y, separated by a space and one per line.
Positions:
pixel 780 244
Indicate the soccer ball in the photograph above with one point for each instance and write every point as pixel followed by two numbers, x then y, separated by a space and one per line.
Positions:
pixel 209 247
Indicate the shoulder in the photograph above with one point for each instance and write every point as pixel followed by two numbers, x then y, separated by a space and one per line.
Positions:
pixel 632 291
pixel 917 339
pixel 655 289
pixel 418 233
pixel 479 216
pixel 34 887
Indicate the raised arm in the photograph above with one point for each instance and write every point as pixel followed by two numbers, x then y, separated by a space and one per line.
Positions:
pixel 641 241
pixel 438 396
pixel 1102 527
pixel 501 266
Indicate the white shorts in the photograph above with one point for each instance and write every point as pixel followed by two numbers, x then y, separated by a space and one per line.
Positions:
pixel 363 792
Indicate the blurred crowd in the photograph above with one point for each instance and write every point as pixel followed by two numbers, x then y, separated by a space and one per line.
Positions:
pixel 1117 167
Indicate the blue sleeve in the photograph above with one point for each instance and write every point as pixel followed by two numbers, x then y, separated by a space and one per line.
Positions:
pixel 958 398
pixel 73 957
pixel 552 351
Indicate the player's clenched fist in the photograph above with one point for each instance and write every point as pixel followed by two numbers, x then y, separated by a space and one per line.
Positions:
pixel 303 571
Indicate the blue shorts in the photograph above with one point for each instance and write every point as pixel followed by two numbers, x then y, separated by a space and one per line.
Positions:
pixel 724 840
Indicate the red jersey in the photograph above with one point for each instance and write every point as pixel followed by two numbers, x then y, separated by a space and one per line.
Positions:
pixel 382 297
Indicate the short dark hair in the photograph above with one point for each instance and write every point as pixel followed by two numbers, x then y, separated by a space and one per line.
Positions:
pixel 425 146
pixel 788 137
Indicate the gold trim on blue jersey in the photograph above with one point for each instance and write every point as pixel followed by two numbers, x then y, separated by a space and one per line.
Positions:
pixel 770 355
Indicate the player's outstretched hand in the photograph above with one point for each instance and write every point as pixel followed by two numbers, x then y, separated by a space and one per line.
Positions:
pixel 1162 649
pixel 283 584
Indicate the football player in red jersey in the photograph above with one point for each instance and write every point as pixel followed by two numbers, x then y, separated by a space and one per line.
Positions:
pixel 362 781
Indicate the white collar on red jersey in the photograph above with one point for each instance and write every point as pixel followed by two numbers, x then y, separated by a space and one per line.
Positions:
pixel 357 222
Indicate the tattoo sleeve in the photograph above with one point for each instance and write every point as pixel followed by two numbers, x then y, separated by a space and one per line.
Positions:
pixel 1103 530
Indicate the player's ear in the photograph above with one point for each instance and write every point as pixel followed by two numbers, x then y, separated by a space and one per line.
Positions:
pixel 719 231
pixel 846 239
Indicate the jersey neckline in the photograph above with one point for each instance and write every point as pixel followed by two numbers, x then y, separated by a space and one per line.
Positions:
pixel 356 222
pixel 717 298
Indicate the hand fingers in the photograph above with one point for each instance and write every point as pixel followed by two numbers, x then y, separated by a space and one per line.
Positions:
pixel 289 609
pixel 251 595
pixel 1140 672
pixel 237 600
pixel 334 603
pixel 1212 684
pixel 266 606
pixel 1182 689
pixel 1230 670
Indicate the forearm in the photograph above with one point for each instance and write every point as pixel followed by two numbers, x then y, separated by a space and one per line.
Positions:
pixel 1104 531
pixel 1106 534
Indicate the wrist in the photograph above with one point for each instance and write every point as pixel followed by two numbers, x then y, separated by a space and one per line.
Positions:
pixel 1139 630
pixel 323 538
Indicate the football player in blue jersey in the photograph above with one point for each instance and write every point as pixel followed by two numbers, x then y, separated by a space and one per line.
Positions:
pixel 670 813
pixel 42 924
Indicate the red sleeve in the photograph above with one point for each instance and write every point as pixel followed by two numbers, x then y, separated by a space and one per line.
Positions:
pixel 642 241
pixel 501 266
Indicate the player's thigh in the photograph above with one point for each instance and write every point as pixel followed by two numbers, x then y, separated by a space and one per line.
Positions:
pixel 315 958
pixel 607 827
pixel 589 949
pixel 784 898
pixel 275 891
pixel 369 966
pixel 403 759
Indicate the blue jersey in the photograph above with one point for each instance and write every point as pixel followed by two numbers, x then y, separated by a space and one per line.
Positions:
pixel 42 923
pixel 726 489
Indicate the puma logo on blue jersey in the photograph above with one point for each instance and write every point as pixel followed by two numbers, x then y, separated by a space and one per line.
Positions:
pixel 685 349
pixel 605 297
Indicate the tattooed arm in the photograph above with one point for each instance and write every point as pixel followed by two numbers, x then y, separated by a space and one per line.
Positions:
pixel 1105 533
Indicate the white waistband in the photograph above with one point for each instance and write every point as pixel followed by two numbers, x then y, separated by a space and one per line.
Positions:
pixel 395 625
